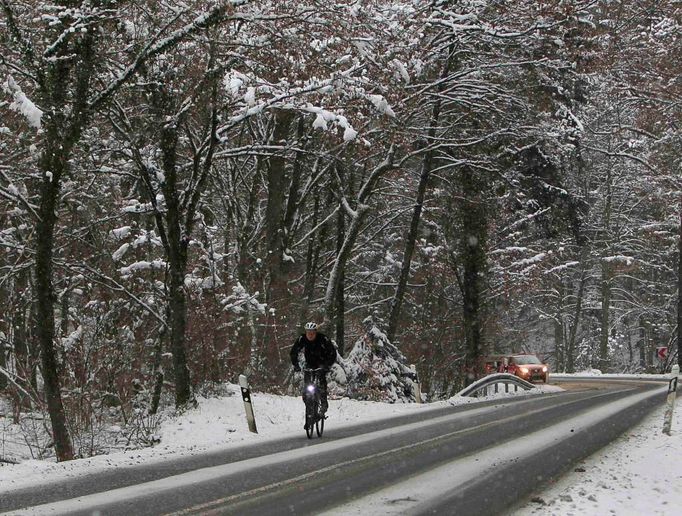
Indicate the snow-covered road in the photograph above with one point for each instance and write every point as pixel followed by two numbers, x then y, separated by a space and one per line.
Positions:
pixel 216 425
pixel 443 487
pixel 638 474
pixel 446 452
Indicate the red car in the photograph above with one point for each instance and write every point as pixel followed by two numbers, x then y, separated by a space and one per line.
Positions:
pixel 528 367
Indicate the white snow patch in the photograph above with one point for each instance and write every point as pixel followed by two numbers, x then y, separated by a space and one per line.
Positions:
pixel 69 342
pixel 121 232
pixel 118 254
pixel 530 261
pixel 233 82
pixel 349 134
pixel 320 122
pixel 22 104
pixel 590 373
pixel 624 260
pixel 142 265
pixel 381 104
pixel 250 96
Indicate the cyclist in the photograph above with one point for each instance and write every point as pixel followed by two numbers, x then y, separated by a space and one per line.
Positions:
pixel 319 352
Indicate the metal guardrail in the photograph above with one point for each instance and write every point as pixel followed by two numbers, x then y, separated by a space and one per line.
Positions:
pixel 494 383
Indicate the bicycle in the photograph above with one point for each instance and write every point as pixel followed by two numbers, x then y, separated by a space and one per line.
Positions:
pixel 313 402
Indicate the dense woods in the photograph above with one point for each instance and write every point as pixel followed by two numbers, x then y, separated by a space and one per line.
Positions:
pixel 183 184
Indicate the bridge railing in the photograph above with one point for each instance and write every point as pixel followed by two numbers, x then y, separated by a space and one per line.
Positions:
pixel 494 383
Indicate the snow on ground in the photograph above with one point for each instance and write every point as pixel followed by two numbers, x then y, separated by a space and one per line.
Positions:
pixel 218 424
pixel 638 474
pixel 596 373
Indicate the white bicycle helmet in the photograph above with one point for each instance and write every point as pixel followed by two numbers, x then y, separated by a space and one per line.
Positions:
pixel 310 326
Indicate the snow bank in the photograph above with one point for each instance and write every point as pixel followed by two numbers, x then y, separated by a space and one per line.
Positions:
pixel 591 373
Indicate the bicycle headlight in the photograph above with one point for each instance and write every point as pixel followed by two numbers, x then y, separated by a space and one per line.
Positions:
pixel 311 388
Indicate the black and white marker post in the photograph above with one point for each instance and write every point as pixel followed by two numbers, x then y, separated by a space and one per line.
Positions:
pixel 246 396
pixel 670 402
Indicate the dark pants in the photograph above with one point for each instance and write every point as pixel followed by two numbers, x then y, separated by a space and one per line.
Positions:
pixel 322 383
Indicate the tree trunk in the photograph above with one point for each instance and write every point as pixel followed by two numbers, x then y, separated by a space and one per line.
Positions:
pixel 244 262
pixel 648 346
pixel 313 259
pixel 397 301
pixel 642 343
pixel 174 234
pixel 631 354
pixel 20 340
pixel 293 197
pixel 157 373
pixel 177 264
pixel 53 162
pixel 473 260
pixel 570 348
pixel 340 293
pixel 559 345
pixel 65 90
pixel 559 329
pixel 275 210
pixel 427 166
pixel 6 300
pixel 178 326
pixel 312 256
pixel 605 308
pixel 352 233
pixel 606 280
pixel 3 364
pixel 679 294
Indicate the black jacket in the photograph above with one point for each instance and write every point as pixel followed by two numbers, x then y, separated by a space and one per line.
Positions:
pixel 318 353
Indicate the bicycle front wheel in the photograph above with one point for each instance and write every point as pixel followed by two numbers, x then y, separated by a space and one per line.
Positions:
pixel 309 420
pixel 319 423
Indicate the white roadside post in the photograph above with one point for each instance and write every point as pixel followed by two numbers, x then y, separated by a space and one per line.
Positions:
pixel 417 385
pixel 670 402
pixel 246 396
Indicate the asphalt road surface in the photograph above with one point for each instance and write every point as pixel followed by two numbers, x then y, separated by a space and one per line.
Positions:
pixel 478 459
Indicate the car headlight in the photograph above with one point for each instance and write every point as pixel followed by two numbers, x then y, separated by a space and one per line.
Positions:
pixel 544 369
pixel 524 370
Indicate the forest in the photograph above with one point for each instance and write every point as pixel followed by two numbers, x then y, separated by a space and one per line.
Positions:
pixel 183 184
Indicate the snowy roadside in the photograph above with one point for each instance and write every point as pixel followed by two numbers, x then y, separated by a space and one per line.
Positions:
pixel 637 474
pixel 219 424
pixel 597 374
